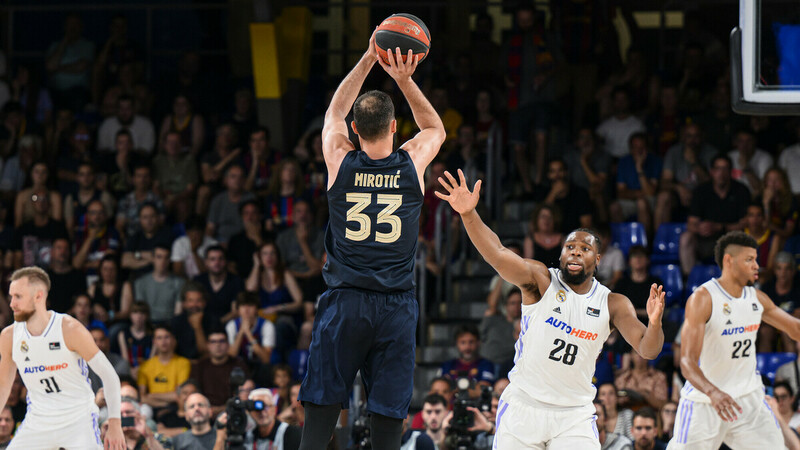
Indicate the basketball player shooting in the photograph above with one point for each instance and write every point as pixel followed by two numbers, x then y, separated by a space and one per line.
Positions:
pixel 367 318
pixel 53 353
pixel 566 316
pixel 723 398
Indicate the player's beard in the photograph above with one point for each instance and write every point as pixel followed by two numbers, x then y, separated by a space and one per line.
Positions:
pixel 573 278
pixel 23 316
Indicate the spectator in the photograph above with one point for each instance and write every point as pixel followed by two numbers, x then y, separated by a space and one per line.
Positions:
pixel 193 324
pixel 281 298
pixel 442 386
pixel 215 163
pixel 608 439
pixel 469 362
pixel 213 372
pixel 717 207
pixel 572 201
pixel 612 260
pixel 66 282
pixel 244 118
pixel 188 252
pixel 668 413
pixel 316 172
pixel 499 289
pixel 79 150
pixel 285 187
pixel 121 366
pixel 250 336
pixel 223 220
pixel 790 437
pixel 136 341
pixel 159 288
pixel 616 421
pixel 81 310
pixel 222 287
pixel 749 164
pixel 76 204
pixel 7 427
pixel 789 160
pixel 259 162
pixel 172 418
pixel 543 241
pixel 685 167
pixel 201 435
pixel 295 414
pixel 665 123
pixel 769 245
pixel 139 435
pixel 637 282
pixel 302 246
pixel 249 240
pixel 17 401
pixel 26 89
pixel 68 64
pixel 184 121
pixel 780 207
pixel 118 51
pixel 497 332
pixel 35 238
pixel 645 429
pixel 129 212
pixel 618 129
pixel 434 409
pixel 160 375
pixel 589 166
pixel 108 291
pixel 530 65
pixel 138 254
pixel 24 205
pixel 140 127
pixel 784 290
pixel 176 177
pixel 269 430
pixel 115 166
pixel 466 154
pixel 642 383
pixel 98 241
pixel 281 380
pixel 637 183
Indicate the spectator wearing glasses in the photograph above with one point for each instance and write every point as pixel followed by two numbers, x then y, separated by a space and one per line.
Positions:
pixel 787 404
pixel 667 413
pixel 213 371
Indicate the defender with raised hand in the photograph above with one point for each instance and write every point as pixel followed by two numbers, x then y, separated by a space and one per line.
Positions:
pixel 566 316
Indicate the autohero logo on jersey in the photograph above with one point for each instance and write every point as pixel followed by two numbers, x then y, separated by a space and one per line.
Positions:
pixel 740 330
pixel 580 334
pixel 43 368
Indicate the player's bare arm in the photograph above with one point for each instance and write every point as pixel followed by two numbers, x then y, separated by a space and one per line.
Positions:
pixel 530 276
pixel 335 137
pixel 425 145
pixel 698 311
pixel 778 318
pixel 8 369
pixel 646 340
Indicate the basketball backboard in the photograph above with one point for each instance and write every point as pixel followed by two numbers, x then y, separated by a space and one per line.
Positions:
pixel 765 58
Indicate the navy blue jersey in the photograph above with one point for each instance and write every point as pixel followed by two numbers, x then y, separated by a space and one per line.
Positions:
pixel 374 223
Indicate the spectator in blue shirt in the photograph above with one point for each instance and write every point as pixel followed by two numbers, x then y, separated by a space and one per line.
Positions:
pixel 637 183
pixel 469 362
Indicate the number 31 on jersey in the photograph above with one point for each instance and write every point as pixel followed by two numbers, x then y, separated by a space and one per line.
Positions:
pixel 355 214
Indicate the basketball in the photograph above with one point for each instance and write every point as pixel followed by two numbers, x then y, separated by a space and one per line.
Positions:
pixel 405 31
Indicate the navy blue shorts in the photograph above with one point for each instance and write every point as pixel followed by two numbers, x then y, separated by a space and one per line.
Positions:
pixel 369 331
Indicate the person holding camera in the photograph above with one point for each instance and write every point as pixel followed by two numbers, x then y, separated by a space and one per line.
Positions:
pixel 481 432
pixel 269 433
pixel 137 434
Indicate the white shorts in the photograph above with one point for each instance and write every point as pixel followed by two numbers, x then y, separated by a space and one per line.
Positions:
pixel 523 424
pixel 43 435
pixel 698 426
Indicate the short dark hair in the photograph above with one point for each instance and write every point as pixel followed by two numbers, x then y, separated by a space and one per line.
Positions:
pixel 598 242
pixel 124 98
pixel 639 135
pixel 163 246
pixel 147 205
pixel 249 202
pixel 260 129
pixel 445 379
pixel 434 399
pixel 194 286
pixel 721 156
pixel 372 114
pixel 217 248
pixel 647 413
pixel 195 222
pixel 247 298
pixel 638 250
pixel 739 238
pixel 468 328
pixel 165 327
pixel 784 385
pixel 123 132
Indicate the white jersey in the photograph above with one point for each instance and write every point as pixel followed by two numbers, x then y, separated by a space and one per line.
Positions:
pixel 559 341
pixel 57 378
pixel 728 357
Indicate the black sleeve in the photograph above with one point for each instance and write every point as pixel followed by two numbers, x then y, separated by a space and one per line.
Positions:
pixel 291 440
pixel 696 207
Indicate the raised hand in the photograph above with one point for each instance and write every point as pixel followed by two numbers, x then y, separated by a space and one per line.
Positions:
pixel 459 196
pixel 655 304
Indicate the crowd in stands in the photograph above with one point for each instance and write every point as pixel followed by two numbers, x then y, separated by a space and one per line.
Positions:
pixel 190 246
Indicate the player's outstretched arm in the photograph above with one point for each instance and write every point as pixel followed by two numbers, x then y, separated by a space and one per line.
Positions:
pixel 425 145
pixel 778 318
pixel 531 276
pixel 698 311
pixel 8 370
pixel 647 341
pixel 79 340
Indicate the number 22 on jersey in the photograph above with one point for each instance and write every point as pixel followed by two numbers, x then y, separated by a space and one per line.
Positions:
pixel 355 214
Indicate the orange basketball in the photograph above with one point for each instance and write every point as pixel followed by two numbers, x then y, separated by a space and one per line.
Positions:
pixel 405 31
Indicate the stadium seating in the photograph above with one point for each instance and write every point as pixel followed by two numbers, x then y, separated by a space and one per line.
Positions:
pixel 699 275
pixel 666 243
pixel 672 278
pixel 768 363
pixel 627 234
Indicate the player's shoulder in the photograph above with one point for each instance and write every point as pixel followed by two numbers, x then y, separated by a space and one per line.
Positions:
pixel 7 333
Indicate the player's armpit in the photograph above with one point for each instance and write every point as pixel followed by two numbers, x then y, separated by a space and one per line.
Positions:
pixel 78 339
pixel 777 317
